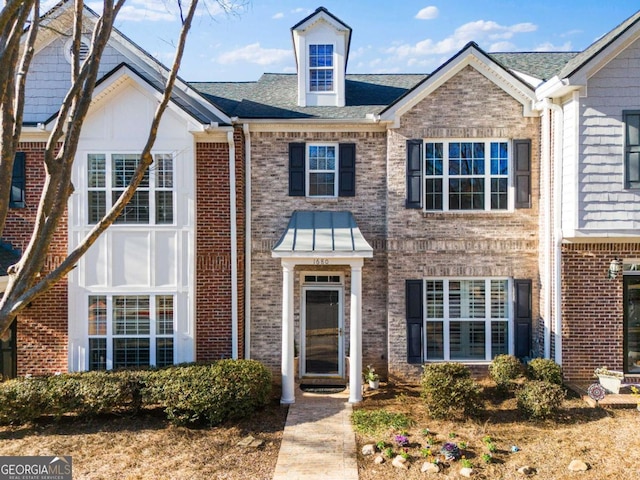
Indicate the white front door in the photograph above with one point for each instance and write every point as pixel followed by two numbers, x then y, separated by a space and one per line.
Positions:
pixel 322 351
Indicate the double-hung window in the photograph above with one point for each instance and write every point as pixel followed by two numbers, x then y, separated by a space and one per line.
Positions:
pixel 632 149
pixel 130 331
pixel 110 174
pixel 466 175
pixel 320 68
pixel 322 170
pixel 322 164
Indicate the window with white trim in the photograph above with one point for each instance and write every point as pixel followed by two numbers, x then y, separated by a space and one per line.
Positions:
pixel 106 180
pixel 466 175
pixel 130 331
pixel 322 168
pixel 631 121
pixel 466 319
pixel 321 68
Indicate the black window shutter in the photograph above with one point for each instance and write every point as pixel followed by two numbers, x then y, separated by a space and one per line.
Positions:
pixel 522 170
pixel 18 181
pixel 347 173
pixel 413 299
pixel 296 170
pixel 523 318
pixel 414 174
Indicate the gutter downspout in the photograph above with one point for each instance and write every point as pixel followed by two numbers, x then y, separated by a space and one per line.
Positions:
pixel 247 243
pixel 234 245
pixel 557 227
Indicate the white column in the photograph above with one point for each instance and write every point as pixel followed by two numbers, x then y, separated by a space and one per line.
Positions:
pixel 288 373
pixel 355 350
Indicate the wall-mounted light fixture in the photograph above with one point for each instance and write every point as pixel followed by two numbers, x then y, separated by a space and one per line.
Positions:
pixel 615 267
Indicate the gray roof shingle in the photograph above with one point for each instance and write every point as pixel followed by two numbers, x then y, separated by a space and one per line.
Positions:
pixel 542 65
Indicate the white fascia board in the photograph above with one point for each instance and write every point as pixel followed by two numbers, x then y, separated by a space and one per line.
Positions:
pixel 485 66
pixel 319 16
pixel 555 87
pixel 297 125
pixel 531 80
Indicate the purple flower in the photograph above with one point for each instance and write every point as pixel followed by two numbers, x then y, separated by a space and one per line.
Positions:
pixel 401 440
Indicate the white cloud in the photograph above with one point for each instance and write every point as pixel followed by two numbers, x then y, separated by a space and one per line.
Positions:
pixel 550 47
pixel 502 47
pixel 480 31
pixel 254 53
pixel 428 13
pixel 570 33
pixel 156 10
pixel 289 70
pixel 278 16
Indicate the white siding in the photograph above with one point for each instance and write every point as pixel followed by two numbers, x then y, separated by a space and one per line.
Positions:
pixel 569 167
pixel 48 79
pixel 603 202
pixel 134 259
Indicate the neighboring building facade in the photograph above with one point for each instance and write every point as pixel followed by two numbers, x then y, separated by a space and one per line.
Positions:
pixel 346 220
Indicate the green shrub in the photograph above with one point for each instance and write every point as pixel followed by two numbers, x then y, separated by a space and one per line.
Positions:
pixel 545 369
pixel 211 394
pixel 504 369
pixel 539 399
pixel 23 399
pixel 449 391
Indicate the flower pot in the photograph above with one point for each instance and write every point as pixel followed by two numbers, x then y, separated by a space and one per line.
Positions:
pixel 374 384
pixel 610 384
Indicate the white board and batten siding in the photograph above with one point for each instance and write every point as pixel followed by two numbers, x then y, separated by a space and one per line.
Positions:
pixel 134 259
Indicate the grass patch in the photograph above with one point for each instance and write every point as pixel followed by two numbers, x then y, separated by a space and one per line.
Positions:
pixel 376 422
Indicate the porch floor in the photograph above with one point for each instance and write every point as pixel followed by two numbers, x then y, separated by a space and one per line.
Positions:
pixel 624 399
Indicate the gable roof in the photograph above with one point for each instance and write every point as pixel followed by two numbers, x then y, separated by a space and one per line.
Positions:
pixel 541 65
pixel 322 12
pixel 274 96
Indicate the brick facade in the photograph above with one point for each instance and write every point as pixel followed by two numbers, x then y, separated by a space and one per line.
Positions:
pixel 42 326
pixel 271 209
pixel 592 308
pixel 455 244
pixel 213 249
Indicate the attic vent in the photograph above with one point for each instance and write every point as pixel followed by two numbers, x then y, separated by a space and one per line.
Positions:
pixel 82 53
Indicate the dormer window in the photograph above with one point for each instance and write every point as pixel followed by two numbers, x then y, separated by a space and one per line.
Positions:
pixel 321 68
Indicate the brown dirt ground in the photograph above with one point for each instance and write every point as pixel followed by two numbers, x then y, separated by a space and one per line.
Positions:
pixel 607 440
pixel 147 447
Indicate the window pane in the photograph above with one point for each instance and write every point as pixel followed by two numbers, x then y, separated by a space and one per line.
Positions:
pixel 466 194
pixel 467 299
pixel 435 341
pixel 321 80
pixel 632 323
pixel 164 207
pixel 96 170
pixel 467 340
pixel 130 352
pixel 97 205
pixel 499 338
pixel 124 166
pixel 164 315
pixel 97 354
pixel 435 298
pixel 321 184
pixel 499 304
pixel 137 210
pixel 499 194
pixel 433 159
pixel 164 352
pixel 499 158
pixel 130 315
pixel 164 170
pixel 633 129
pixel 97 315
pixel 433 194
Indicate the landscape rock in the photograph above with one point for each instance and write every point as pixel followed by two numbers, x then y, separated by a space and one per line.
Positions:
pixel 400 462
pixel 378 460
pixel 578 466
pixel 527 470
pixel 251 442
pixel 369 449
pixel 430 467
pixel 466 472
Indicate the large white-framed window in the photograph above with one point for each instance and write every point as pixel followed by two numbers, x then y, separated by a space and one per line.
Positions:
pixel 461 175
pixel 322 170
pixel 130 331
pixel 108 175
pixel 321 68
pixel 467 319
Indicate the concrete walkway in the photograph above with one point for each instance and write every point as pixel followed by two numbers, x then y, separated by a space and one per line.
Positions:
pixel 318 440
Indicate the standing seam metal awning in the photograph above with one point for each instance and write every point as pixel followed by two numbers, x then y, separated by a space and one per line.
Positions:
pixel 325 232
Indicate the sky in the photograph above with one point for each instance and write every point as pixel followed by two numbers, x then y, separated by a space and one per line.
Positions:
pixel 401 36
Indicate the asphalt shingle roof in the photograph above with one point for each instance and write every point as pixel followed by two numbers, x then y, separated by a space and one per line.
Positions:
pixel 542 65
pixel 275 96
